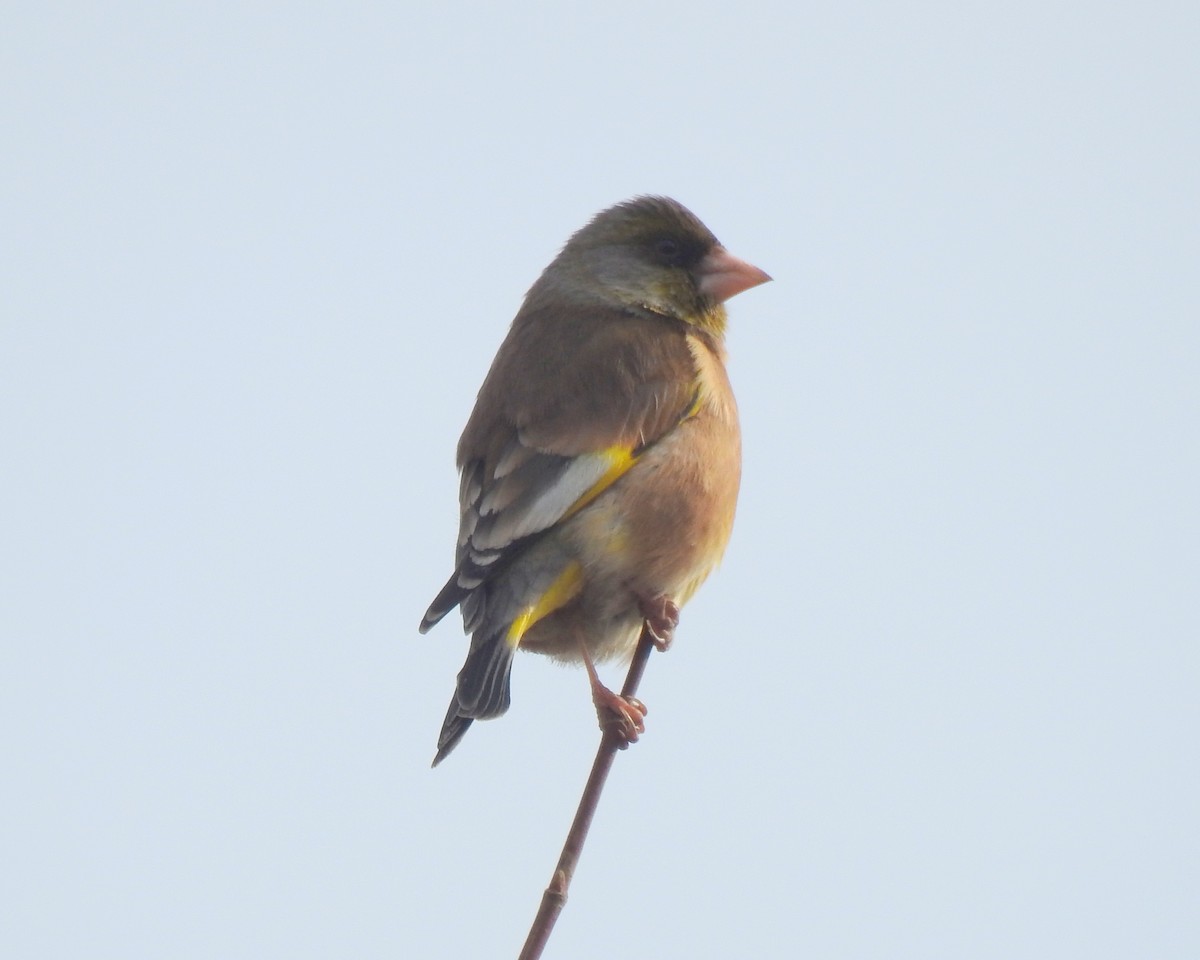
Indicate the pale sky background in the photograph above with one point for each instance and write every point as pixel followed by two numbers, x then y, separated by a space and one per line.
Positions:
pixel 942 700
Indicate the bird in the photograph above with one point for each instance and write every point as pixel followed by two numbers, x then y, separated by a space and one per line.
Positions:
pixel 599 469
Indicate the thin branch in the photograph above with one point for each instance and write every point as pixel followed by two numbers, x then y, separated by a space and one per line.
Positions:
pixel 556 893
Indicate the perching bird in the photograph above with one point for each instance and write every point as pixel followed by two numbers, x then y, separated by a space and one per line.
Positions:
pixel 600 467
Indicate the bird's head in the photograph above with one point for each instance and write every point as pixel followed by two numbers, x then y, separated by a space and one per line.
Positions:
pixel 652 254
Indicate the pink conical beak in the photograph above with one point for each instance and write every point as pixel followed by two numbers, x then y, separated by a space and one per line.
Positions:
pixel 722 275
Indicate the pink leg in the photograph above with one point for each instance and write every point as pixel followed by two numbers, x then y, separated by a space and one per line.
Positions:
pixel 625 716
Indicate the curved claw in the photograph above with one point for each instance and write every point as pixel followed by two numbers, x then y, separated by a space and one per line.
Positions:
pixel 624 716
pixel 661 614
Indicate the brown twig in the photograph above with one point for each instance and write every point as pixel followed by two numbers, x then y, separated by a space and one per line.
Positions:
pixel 556 893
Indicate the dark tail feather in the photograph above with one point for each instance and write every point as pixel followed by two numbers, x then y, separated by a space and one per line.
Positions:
pixel 453 730
pixel 483 690
pixel 451 596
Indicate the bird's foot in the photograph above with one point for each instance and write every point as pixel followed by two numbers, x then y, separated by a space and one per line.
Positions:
pixel 661 614
pixel 624 716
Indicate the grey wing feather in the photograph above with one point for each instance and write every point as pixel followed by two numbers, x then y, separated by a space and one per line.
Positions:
pixel 502 512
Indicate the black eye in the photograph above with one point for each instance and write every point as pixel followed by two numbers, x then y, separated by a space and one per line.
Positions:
pixel 667 249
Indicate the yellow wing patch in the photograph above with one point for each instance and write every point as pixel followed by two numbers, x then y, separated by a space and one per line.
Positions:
pixel 619 460
pixel 564 589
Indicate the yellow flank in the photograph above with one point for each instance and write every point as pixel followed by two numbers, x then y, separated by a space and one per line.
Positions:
pixel 620 459
pixel 560 592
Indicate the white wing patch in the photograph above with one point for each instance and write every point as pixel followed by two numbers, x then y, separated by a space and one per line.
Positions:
pixel 527 501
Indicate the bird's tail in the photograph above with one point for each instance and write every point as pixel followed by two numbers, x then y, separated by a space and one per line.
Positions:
pixel 482 691
pixel 453 729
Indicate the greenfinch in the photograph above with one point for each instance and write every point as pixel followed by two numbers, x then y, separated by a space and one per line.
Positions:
pixel 600 466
